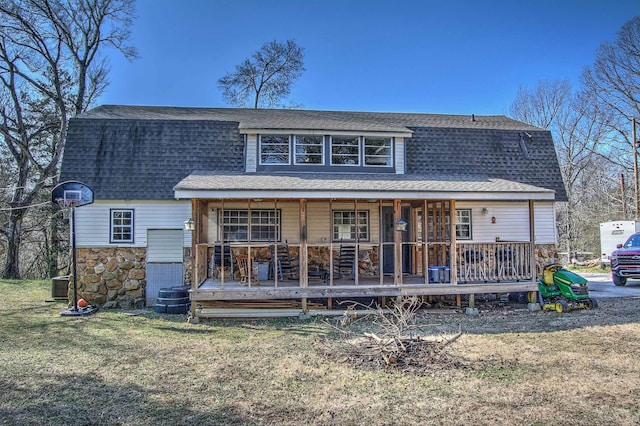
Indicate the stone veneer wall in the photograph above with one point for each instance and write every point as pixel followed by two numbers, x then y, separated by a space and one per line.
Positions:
pixel 545 254
pixel 115 277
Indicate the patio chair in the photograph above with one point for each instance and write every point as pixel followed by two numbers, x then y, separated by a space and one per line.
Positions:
pixel 248 272
pixel 220 262
pixel 345 261
pixel 282 263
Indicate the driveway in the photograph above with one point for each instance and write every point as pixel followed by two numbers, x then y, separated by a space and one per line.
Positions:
pixel 601 286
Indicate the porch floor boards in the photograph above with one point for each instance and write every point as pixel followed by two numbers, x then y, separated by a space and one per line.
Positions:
pixel 212 289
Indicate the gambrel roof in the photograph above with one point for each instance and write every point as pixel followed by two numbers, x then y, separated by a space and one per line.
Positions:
pixel 144 153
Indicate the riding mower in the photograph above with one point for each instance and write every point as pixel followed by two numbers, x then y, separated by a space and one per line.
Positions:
pixel 562 290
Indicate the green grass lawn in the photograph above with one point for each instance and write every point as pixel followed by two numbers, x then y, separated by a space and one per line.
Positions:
pixel 118 368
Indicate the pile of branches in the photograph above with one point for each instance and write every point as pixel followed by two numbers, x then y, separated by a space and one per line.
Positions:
pixel 391 338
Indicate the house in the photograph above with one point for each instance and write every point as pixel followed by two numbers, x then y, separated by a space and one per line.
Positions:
pixel 319 204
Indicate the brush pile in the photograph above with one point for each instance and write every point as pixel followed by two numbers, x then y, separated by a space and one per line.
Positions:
pixel 391 338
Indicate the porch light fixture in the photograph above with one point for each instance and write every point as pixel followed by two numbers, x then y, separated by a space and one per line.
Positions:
pixel 485 210
pixel 190 224
pixel 401 225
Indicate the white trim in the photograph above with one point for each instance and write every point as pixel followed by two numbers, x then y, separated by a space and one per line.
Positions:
pixel 398 151
pixel 457 195
pixel 316 132
pixel 359 156
pixel 323 144
pixel 288 163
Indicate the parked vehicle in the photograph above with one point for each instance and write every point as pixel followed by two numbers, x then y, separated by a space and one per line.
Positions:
pixel 562 290
pixel 612 234
pixel 625 261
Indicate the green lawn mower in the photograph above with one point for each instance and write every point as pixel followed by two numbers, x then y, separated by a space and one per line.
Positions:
pixel 562 290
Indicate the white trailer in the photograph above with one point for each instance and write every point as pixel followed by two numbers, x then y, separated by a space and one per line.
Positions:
pixel 614 233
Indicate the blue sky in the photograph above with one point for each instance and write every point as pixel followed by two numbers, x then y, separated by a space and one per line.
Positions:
pixel 431 56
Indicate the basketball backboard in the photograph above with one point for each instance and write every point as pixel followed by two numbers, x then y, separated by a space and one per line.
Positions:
pixel 72 194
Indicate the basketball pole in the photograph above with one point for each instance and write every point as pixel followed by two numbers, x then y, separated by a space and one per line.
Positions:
pixel 73 257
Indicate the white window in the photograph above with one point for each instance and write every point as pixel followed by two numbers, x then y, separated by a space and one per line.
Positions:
pixel 347 228
pixel 121 226
pixel 274 149
pixel 377 151
pixel 263 226
pixel 463 224
pixel 309 149
pixel 345 150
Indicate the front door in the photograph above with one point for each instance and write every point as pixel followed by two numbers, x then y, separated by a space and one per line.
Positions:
pixel 388 230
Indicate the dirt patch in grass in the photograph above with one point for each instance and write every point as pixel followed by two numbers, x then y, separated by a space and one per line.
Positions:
pixel 579 367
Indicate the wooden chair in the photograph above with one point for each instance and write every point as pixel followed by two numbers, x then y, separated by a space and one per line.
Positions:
pixel 282 263
pixel 345 261
pixel 248 272
pixel 220 262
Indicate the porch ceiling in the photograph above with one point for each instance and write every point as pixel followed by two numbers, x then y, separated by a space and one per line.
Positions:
pixel 211 184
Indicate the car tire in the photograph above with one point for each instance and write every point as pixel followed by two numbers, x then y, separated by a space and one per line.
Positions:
pixel 619 281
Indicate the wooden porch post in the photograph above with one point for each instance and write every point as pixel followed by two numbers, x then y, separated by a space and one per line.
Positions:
pixel 397 242
pixel 221 239
pixel 380 245
pixel 303 254
pixel 331 242
pixel 425 246
pixel 453 250
pixel 532 239
pixel 356 266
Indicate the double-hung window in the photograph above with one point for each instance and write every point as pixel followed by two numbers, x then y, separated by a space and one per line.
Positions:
pixel 274 149
pixel 345 150
pixel 463 224
pixel 263 226
pixel 309 149
pixel 347 226
pixel 377 151
pixel 121 226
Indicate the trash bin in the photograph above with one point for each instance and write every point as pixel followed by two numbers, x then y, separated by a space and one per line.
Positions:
pixel 60 287
pixel 263 270
pixel 439 274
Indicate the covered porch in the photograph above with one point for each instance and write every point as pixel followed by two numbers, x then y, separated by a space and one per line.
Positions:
pixel 304 237
pixel 397 258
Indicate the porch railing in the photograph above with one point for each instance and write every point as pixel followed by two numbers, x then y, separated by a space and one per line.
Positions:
pixel 494 262
pixel 474 263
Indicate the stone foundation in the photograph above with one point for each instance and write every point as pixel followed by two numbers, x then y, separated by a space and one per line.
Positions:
pixel 115 277
pixel 112 277
pixel 545 254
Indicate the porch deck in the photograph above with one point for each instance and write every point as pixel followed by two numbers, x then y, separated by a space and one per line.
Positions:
pixel 412 285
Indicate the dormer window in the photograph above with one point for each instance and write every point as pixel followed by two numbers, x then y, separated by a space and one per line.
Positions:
pixel 274 149
pixel 377 152
pixel 309 149
pixel 315 151
pixel 345 150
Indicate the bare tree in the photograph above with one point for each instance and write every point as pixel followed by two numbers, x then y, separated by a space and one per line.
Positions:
pixel 613 84
pixel 577 136
pixel 51 68
pixel 540 106
pixel 266 78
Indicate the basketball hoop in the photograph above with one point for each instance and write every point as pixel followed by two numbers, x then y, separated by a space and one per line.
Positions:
pixel 66 203
pixel 69 195
pixel 70 198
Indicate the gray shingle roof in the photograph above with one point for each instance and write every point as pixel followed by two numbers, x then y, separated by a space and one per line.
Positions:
pixel 288 119
pixel 138 152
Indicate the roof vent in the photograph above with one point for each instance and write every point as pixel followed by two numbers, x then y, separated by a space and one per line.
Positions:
pixel 523 144
pixel 473 117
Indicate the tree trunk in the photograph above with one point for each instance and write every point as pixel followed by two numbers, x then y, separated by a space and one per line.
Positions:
pixel 12 262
